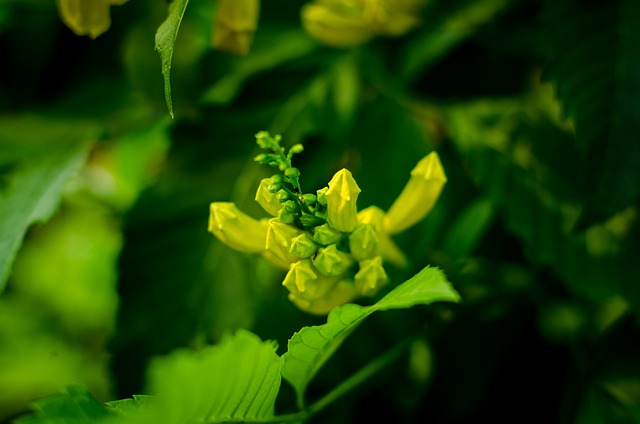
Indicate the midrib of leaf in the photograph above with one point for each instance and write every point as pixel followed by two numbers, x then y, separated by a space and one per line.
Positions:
pixel 165 42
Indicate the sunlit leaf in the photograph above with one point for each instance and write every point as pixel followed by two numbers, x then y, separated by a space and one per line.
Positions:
pixel 37 157
pixel 311 347
pixel 165 42
pixel 75 407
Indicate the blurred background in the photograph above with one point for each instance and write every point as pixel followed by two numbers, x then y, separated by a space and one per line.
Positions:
pixel 532 105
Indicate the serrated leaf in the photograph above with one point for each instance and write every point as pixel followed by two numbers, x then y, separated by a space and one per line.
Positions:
pixel 311 347
pixel 593 57
pixel 234 381
pixel 165 42
pixel 37 156
pixel 75 407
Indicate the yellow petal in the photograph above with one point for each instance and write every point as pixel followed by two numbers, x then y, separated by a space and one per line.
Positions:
pixel 269 201
pixel 235 23
pixel 342 196
pixel 341 293
pixel 419 195
pixel 337 28
pixel 280 237
pixel 236 229
pixel 305 282
pixel 85 17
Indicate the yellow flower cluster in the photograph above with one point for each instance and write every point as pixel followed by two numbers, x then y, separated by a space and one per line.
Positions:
pixel 87 17
pixel 343 258
pixel 346 23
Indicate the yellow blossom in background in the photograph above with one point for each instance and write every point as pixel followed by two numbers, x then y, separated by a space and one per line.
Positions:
pixel 87 17
pixel 347 23
pixel 235 23
pixel 333 253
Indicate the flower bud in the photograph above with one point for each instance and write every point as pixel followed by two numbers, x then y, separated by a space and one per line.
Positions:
pixel 292 172
pixel 386 247
pixel 282 196
pixel 279 240
pixel 303 246
pixel 418 196
pixel 267 198
pixel 85 17
pixel 363 242
pixel 321 195
pixel 335 26
pixel 310 220
pixel 296 148
pixel 305 282
pixel 332 262
pixel 291 206
pixel 341 293
pixel 236 229
pixel 235 23
pixel 326 235
pixel 371 277
pixel 342 195
pixel 309 199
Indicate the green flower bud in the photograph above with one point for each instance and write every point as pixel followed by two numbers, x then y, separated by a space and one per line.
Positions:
pixel 286 217
pixel 418 196
pixel 332 262
pixel 296 148
pixel 282 166
pixel 236 229
pixel 310 220
pixel 321 195
pixel 309 199
pixel 267 198
pixel 291 206
pixel 386 247
pixel 341 293
pixel 371 277
pixel 274 188
pixel 303 246
pixel 342 212
pixel 261 158
pixel 305 282
pixel 276 179
pixel 326 235
pixel 282 196
pixel 363 242
pixel 278 243
pixel 291 172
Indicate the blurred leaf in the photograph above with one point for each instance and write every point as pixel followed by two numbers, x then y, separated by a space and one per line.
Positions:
pixel 165 41
pixel 311 347
pixel 42 155
pixel 234 381
pixel 438 36
pixel 76 407
pixel 273 48
pixel 469 227
pixel 592 55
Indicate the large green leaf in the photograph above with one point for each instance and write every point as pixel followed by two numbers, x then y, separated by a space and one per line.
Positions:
pixel 593 56
pixel 311 347
pixel 75 407
pixel 165 42
pixel 234 381
pixel 37 156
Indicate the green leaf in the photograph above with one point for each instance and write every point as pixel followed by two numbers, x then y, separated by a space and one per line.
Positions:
pixel 76 407
pixel 165 41
pixel 37 157
pixel 234 381
pixel 311 347
pixel 593 57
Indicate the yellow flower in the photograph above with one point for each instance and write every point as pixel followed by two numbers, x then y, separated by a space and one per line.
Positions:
pixel 418 196
pixel 371 277
pixel 279 241
pixel 235 23
pixel 304 281
pixel 86 17
pixel 363 242
pixel 235 229
pixel 343 292
pixel 332 262
pixel 342 195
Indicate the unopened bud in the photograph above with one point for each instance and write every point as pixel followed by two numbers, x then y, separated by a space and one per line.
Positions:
pixel 236 229
pixel 286 217
pixel 386 247
pixel 282 196
pixel 291 206
pixel 279 239
pixel 363 242
pixel 371 276
pixel 418 196
pixel 296 148
pixel 342 212
pixel 305 282
pixel 235 24
pixel 85 17
pixel 326 235
pixel 291 172
pixel 337 27
pixel 332 262
pixel 309 199
pixel 321 195
pixel 341 293
pixel 267 198
pixel 303 246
